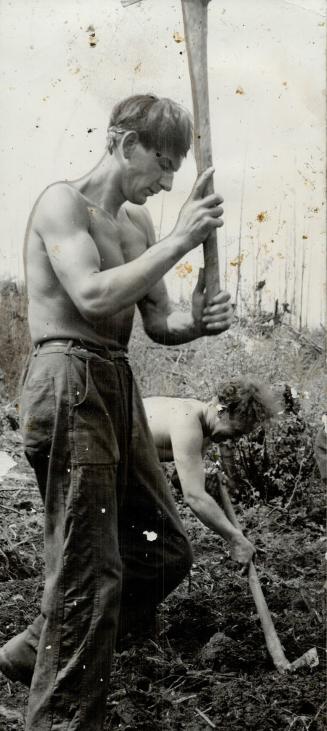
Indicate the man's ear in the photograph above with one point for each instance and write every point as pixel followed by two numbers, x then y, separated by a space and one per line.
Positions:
pixel 129 143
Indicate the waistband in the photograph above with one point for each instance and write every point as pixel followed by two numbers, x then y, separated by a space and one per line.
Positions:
pixel 65 345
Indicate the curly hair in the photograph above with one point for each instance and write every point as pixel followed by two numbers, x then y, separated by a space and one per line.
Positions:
pixel 248 403
pixel 160 123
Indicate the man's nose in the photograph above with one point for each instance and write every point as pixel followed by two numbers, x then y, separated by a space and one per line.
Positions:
pixel 166 180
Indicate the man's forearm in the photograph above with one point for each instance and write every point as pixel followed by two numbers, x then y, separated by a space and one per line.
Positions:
pixel 174 328
pixel 108 292
pixel 191 473
pixel 207 510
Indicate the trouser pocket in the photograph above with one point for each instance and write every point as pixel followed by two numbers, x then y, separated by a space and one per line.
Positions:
pixel 94 423
pixel 37 413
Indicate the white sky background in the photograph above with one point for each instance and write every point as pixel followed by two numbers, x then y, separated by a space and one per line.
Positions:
pixel 269 139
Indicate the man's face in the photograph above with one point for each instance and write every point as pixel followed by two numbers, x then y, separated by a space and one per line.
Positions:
pixel 148 172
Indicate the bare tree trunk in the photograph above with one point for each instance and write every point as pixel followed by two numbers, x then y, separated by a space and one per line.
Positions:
pixel 293 303
pixel 307 302
pixel 286 274
pixel 254 277
pixel 301 289
pixel 239 252
pixel 226 256
pixel 259 301
pixel 257 255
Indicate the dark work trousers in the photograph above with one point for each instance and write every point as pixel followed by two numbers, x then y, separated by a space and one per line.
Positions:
pixel 86 436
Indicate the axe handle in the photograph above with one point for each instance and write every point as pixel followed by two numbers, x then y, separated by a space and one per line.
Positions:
pixel 272 640
pixel 195 16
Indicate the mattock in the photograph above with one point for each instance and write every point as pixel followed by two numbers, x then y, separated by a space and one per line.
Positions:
pixel 310 657
pixel 195 16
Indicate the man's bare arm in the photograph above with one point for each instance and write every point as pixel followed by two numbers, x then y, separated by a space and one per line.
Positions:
pixel 61 219
pixel 163 323
pixel 166 324
pixel 187 440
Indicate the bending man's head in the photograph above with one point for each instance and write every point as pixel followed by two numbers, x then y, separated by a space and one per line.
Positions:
pixel 248 403
pixel 160 123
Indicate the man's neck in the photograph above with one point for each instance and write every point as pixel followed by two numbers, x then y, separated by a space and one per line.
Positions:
pixel 102 185
pixel 220 427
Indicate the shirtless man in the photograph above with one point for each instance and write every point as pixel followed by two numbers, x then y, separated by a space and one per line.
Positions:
pixel 184 428
pixel 89 260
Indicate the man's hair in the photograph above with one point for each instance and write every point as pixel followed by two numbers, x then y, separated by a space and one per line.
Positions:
pixel 249 403
pixel 161 124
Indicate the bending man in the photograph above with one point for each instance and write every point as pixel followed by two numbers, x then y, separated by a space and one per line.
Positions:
pixel 183 429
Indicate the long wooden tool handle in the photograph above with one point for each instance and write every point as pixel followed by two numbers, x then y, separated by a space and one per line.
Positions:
pixel 195 15
pixel 272 640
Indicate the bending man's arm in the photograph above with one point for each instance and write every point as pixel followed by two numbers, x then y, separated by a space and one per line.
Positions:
pixel 187 442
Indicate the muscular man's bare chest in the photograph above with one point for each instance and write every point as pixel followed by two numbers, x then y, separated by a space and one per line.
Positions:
pixel 118 240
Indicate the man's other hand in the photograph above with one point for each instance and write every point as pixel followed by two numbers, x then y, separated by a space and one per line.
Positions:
pixel 241 549
pixel 212 317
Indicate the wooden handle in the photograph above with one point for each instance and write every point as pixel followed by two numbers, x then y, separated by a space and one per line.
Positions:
pixel 272 640
pixel 195 15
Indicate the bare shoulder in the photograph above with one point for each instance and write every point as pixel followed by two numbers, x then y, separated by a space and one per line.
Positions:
pixel 60 199
pixel 176 409
pixel 187 408
pixel 209 418
pixel 140 217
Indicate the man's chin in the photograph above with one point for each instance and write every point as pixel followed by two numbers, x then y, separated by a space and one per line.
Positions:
pixel 139 199
pixel 148 194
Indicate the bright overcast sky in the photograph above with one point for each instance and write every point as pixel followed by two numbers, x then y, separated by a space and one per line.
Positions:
pixel 267 95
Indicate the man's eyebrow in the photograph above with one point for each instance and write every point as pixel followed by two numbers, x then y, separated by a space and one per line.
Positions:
pixel 163 157
pixel 167 160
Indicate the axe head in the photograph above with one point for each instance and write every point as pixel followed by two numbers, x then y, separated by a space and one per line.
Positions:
pixel 310 658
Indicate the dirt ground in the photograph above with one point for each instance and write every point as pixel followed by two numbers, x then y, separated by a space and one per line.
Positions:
pixel 207 665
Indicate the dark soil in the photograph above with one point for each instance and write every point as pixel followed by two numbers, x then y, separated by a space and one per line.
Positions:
pixel 207 665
